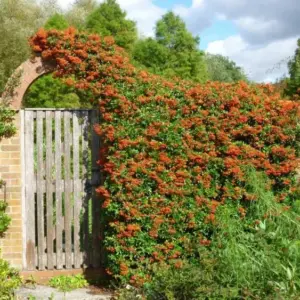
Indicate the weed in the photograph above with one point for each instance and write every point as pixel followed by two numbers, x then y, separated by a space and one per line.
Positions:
pixel 68 283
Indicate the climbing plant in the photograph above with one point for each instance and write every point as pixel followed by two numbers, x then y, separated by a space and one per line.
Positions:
pixel 172 151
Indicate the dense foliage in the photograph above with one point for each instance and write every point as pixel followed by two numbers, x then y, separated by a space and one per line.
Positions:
pixel 173 152
pixel 173 52
pixel 109 20
pixel 256 257
pixel 52 92
pixel 9 280
pixel 253 257
pixel 79 11
pixel 17 21
pixel 293 83
pixel 221 68
pixel 57 21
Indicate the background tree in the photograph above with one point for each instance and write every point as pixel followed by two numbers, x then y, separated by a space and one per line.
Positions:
pixel 48 8
pixel 57 21
pixel 110 20
pixel 78 13
pixel 293 83
pixel 51 92
pixel 221 68
pixel 177 48
pixel 18 20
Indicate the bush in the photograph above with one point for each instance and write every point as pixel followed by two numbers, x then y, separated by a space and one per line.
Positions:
pixel 9 280
pixel 173 151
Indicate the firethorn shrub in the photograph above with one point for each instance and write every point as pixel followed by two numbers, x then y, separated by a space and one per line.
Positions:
pixel 174 153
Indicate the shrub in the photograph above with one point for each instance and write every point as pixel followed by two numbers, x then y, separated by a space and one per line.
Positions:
pixel 4 218
pixel 173 151
pixel 9 280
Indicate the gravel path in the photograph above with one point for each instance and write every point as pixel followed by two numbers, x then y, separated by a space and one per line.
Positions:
pixel 47 293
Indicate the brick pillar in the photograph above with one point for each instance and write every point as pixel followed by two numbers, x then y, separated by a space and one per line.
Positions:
pixel 11 172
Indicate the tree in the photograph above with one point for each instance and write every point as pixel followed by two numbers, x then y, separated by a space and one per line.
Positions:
pixel 110 20
pixel 51 92
pixel 176 51
pixel 293 83
pixel 143 49
pixel 18 20
pixel 221 68
pixel 78 13
pixel 57 21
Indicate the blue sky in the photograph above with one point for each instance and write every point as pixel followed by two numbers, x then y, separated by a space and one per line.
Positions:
pixel 219 30
pixel 169 4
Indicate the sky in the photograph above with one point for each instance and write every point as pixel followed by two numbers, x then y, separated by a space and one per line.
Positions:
pixel 259 35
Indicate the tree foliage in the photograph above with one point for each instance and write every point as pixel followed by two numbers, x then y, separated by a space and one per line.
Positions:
pixel 221 68
pixel 293 83
pixel 51 92
pixel 109 20
pixel 18 20
pixel 173 52
pixel 57 21
pixel 79 11
pixel 174 151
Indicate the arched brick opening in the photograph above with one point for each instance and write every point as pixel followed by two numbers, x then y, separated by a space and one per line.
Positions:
pixel 30 71
pixel 11 164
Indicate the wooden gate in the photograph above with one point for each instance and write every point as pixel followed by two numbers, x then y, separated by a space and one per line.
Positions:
pixel 60 208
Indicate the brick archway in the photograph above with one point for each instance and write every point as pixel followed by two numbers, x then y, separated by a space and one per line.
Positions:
pixel 12 164
pixel 30 71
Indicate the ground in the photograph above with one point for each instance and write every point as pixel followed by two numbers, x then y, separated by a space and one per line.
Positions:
pixel 46 293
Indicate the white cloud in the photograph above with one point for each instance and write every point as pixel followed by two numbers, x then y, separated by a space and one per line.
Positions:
pixel 258 22
pixel 144 12
pixel 260 63
pixel 253 25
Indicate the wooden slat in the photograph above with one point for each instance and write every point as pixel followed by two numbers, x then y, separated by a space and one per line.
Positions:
pixel 49 190
pixel 95 197
pixel 68 211
pixel 58 192
pixel 77 190
pixel 54 182
pixel 86 193
pixel 40 188
pixel 30 207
